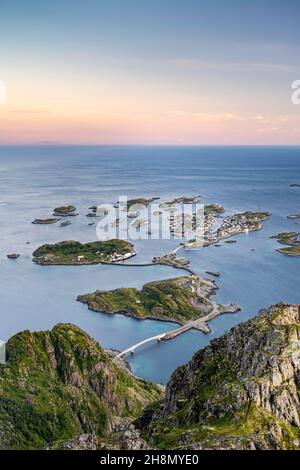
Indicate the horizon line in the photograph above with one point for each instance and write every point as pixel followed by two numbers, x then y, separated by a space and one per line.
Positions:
pixel 144 145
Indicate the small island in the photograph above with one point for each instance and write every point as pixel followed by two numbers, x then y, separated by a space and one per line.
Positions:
pixel 181 200
pixel 65 211
pixel 13 256
pixel 291 240
pixel 97 211
pixel 213 273
pixel 65 224
pixel 213 209
pixel 76 253
pixel 49 221
pixel 140 202
pixel 290 251
pixel 183 300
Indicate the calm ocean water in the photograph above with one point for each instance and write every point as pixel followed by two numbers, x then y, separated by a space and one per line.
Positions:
pixel 33 180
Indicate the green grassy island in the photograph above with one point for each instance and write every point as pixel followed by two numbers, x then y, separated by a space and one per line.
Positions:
pixel 213 209
pixel 180 200
pixel 45 221
pixel 65 211
pixel 76 253
pixel 290 251
pixel 141 201
pixel 181 299
pixel 290 239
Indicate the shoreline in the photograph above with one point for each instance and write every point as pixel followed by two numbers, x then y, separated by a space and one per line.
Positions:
pixel 198 323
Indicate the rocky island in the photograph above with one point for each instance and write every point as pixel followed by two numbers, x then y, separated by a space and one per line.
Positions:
pixel 214 209
pixel 13 256
pixel 65 211
pixel 49 221
pixel 76 253
pixel 65 224
pixel 140 202
pixel 180 200
pixel 180 300
pixel 290 239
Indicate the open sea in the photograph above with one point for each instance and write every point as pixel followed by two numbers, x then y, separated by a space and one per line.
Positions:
pixel 34 180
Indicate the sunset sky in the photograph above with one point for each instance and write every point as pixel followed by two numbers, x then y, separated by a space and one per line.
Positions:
pixel 149 72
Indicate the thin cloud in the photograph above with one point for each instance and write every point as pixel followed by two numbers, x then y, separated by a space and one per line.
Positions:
pixel 218 117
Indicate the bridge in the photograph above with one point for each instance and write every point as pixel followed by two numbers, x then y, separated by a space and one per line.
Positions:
pixel 137 345
pixel 200 324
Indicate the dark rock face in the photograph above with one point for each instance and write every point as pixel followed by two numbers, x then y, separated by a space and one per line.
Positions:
pixel 241 392
pixel 60 384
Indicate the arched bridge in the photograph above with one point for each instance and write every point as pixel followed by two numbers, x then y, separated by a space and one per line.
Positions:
pixel 199 324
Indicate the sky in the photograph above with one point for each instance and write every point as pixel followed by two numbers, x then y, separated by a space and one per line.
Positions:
pixel 159 72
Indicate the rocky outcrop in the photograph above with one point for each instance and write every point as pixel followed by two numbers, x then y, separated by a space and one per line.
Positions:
pixel 49 221
pixel 124 437
pixel 59 384
pixel 241 392
pixel 65 211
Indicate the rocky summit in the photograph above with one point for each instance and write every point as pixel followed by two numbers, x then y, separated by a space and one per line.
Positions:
pixel 59 384
pixel 240 392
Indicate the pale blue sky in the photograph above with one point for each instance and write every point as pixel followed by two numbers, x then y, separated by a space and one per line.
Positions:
pixel 212 57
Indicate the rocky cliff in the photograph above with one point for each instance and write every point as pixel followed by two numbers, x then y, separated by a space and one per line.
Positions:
pixel 59 384
pixel 241 392
pixel 60 389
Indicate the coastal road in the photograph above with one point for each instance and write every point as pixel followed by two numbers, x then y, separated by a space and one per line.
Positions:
pixel 200 324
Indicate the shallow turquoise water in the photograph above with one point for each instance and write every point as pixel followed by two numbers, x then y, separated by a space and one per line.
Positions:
pixel 33 180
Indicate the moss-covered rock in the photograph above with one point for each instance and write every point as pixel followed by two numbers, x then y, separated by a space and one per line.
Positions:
pixel 59 384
